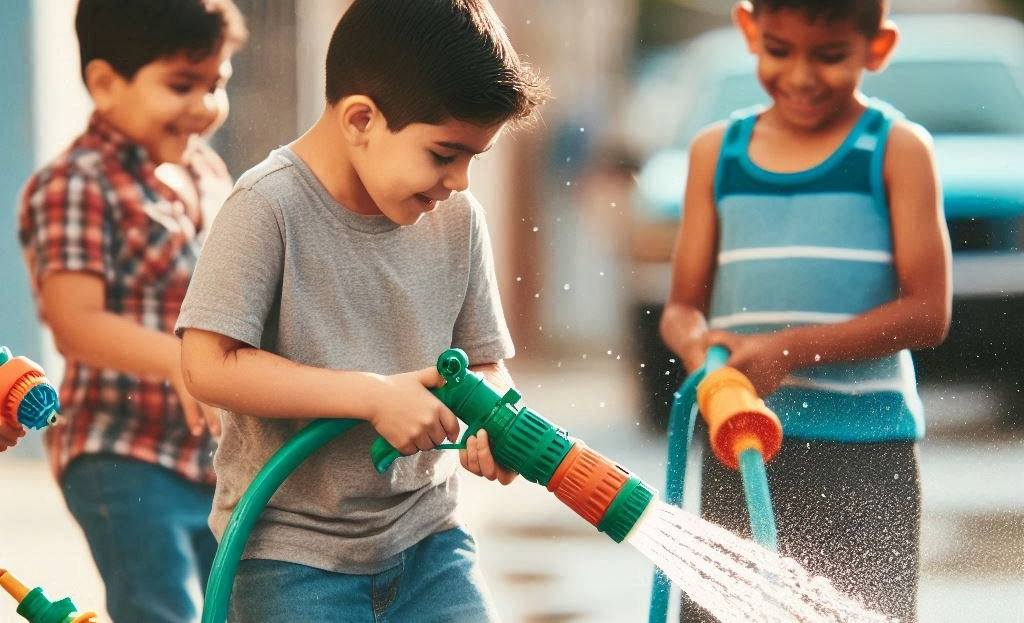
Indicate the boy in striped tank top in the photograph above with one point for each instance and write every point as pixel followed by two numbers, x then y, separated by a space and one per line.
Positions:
pixel 813 247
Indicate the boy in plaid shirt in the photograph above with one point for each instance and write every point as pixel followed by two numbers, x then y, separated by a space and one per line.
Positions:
pixel 111 231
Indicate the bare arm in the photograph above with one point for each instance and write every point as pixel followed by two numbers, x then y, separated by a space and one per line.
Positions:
pixel 73 305
pixel 920 315
pixel 683 323
pixel 233 375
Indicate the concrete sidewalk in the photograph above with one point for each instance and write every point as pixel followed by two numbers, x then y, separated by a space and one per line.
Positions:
pixel 546 565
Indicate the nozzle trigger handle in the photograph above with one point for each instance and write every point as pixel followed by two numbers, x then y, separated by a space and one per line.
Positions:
pixel 383 454
pixel 453 364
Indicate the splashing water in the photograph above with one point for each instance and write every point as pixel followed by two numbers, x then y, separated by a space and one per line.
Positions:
pixel 735 579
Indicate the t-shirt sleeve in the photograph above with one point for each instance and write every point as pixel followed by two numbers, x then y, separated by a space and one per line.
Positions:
pixel 480 329
pixel 237 280
pixel 64 224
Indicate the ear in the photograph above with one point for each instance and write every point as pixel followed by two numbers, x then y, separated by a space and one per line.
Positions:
pixel 880 48
pixel 743 17
pixel 102 80
pixel 357 116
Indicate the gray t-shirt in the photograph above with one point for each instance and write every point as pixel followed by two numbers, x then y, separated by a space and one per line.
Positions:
pixel 289 270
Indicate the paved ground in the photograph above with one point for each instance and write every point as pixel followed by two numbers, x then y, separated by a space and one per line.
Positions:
pixel 546 565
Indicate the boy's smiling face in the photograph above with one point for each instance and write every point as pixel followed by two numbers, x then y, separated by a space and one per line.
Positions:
pixel 811 70
pixel 166 103
pixel 406 173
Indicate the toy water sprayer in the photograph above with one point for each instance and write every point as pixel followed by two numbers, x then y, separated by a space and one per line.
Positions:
pixel 27 397
pixel 597 489
pixel 34 606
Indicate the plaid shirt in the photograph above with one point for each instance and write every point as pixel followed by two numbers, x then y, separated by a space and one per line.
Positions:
pixel 99 208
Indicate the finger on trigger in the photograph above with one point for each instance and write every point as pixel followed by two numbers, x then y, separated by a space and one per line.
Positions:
pixel 451 424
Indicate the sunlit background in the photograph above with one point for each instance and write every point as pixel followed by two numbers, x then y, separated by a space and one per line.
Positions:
pixel 583 220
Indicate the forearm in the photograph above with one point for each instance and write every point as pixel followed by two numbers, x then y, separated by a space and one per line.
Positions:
pixel 889 328
pixel 256 382
pixel 101 339
pixel 496 374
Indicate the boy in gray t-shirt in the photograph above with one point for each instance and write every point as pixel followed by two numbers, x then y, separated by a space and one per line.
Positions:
pixel 333 277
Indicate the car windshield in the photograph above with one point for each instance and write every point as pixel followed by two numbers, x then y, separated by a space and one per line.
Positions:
pixel 945 97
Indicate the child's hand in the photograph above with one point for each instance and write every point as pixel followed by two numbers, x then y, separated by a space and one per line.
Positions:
pixel 409 417
pixel 758 356
pixel 477 458
pixel 9 435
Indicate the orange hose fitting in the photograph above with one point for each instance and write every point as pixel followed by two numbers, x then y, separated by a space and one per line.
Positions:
pixel 17 376
pixel 587 482
pixel 737 419
pixel 12 585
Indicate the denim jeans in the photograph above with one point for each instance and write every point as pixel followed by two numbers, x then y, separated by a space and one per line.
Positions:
pixel 437 581
pixel 146 527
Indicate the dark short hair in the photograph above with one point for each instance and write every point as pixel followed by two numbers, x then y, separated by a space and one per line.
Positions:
pixel 426 61
pixel 129 34
pixel 867 14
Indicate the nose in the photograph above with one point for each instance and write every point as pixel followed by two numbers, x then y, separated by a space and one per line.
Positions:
pixel 801 74
pixel 457 177
pixel 210 109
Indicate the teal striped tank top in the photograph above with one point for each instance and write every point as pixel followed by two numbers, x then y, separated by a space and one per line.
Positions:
pixel 815 247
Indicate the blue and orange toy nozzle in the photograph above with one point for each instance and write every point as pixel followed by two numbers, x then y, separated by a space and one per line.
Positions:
pixel 603 493
pixel 36 608
pixel 27 397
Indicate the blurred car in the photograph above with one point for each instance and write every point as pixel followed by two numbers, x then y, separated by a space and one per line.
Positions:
pixel 962 78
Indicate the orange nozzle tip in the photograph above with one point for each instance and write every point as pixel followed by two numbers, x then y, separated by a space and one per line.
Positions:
pixel 13 586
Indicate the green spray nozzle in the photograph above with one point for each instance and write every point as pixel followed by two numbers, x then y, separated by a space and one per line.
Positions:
pixel 521 439
pixel 603 493
pixel 34 606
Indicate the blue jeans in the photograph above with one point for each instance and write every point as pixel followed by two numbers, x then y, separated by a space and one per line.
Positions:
pixel 146 527
pixel 437 581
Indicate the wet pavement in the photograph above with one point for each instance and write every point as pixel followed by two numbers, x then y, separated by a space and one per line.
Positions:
pixel 545 564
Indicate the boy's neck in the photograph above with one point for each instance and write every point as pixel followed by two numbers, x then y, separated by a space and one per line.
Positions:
pixel 323 148
pixel 780 147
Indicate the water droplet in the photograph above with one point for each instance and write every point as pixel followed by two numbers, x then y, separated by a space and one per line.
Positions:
pixel 566 286
pixel 817 357
pixel 535 228
pixel 785 353
pixel 805 405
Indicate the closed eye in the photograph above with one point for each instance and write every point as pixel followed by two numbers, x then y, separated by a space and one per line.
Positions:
pixel 439 159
